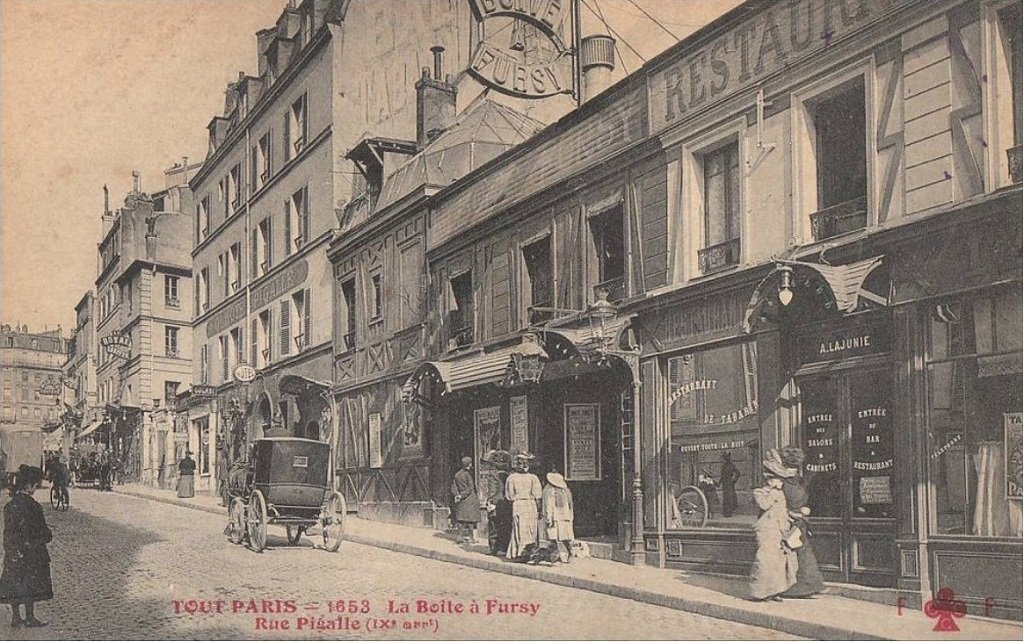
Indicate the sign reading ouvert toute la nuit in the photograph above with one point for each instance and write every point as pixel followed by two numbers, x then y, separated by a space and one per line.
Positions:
pixel 522 66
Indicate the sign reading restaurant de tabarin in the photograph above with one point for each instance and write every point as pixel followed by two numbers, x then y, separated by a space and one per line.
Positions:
pixel 783 33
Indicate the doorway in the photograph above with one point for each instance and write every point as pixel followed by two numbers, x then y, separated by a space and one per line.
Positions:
pixel 846 432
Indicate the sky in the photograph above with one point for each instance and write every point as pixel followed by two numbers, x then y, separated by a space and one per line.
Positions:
pixel 91 90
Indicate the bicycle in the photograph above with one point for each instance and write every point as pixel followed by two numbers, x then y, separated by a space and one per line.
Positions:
pixel 692 506
pixel 59 500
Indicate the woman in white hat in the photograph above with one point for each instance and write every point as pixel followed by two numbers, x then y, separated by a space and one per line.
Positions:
pixel 558 515
pixel 522 488
pixel 775 563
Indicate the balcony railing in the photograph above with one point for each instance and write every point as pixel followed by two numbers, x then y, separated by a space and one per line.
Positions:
pixel 172 302
pixel 1013 158
pixel 719 256
pixel 840 219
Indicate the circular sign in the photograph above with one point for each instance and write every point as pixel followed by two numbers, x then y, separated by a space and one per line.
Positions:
pixel 244 373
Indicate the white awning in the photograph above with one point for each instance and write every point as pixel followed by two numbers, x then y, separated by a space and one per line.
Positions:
pixel 469 370
pixel 91 428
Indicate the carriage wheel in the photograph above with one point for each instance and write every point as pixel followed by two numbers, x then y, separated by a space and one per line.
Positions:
pixel 332 521
pixel 294 533
pixel 693 507
pixel 236 521
pixel 54 498
pixel 257 521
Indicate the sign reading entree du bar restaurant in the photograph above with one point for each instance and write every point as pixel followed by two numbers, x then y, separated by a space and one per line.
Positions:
pixel 784 32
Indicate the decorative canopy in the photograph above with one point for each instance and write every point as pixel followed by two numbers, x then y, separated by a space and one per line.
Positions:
pixel 473 369
pixel 297 385
pixel 845 284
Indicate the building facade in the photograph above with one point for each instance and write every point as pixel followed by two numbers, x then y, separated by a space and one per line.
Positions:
pixel 800 226
pixel 30 363
pixel 143 334
pixel 269 198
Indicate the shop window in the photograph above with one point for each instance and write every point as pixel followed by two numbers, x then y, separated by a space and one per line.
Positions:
pixel 840 150
pixel 296 221
pixel 171 299
pixel 171 341
pixel 713 412
pixel 722 214
pixel 460 310
pixel 539 290
pixel 348 295
pixel 606 231
pixel 202 454
pixel 974 420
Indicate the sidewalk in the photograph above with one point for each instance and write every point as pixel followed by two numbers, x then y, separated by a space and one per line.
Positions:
pixel 825 617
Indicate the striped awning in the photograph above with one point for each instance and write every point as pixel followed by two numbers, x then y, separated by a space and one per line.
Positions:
pixel 91 428
pixel 473 369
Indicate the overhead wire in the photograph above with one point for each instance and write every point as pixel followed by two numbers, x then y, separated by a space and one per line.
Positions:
pixel 613 31
pixel 653 19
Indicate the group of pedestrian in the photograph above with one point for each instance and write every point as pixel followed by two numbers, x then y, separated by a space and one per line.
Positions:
pixel 527 522
pixel 26 573
pixel 784 565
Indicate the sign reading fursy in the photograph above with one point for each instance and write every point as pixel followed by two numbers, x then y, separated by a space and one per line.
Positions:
pixel 527 66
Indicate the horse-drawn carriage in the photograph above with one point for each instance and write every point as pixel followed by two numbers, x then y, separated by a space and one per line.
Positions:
pixel 286 481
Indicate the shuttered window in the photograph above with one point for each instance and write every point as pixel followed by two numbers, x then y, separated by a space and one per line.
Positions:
pixel 286 326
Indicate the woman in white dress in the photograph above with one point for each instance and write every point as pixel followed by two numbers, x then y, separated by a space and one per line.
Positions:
pixel 522 488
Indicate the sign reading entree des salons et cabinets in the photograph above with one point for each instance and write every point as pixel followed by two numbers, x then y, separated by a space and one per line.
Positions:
pixel 781 34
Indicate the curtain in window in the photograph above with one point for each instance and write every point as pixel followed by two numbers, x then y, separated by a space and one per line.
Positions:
pixel 994 514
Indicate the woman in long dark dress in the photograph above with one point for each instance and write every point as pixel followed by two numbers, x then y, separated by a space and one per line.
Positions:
pixel 26 574
pixel 809 581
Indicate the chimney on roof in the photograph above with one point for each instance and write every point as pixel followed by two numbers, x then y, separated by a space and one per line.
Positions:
pixel 108 216
pixel 597 60
pixel 435 101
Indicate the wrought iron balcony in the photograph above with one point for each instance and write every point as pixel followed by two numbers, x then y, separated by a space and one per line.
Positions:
pixel 172 302
pixel 1013 158
pixel 840 219
pixel 718 257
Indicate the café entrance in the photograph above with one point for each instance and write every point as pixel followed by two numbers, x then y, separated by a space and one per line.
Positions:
pixel 846 432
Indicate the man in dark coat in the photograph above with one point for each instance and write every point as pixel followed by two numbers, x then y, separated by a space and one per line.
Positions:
pixel 499 509
pixel 467 504
pixel 728 476
pixel 26 575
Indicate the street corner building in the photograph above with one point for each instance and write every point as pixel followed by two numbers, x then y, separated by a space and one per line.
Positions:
pixel 798 226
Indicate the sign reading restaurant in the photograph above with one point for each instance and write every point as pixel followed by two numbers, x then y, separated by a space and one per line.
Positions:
pixel 785 32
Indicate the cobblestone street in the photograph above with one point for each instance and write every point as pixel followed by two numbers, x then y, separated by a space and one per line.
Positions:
pixel 121 563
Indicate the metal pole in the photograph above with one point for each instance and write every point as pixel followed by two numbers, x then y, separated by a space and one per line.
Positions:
pixel 636 548
pixel 577 71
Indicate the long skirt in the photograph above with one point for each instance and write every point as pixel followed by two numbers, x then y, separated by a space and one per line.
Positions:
pixel 525 531
pixel 26 577
pixel 809 580
pixel 775 567
pixel 187 486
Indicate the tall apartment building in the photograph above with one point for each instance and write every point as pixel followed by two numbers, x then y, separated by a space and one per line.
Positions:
pixel 143 337
pixel 79 371
pixel 268 199
pixel 30 376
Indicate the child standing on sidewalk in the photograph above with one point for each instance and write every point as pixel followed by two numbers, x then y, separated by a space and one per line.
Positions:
pixel 558 514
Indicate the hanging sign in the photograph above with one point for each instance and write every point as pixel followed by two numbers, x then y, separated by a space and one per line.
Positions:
pixel 528 60
pixel 200 391
pixel 582 442
pixel 244 373
pixel 1012 441
pixel 117 345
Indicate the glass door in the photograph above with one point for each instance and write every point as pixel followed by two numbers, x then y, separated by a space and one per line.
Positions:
pixel 847 436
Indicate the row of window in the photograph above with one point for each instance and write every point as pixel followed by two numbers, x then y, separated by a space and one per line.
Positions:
pixel 11 414
pixel 277 332
pixel 24 394
pixel 261 255
pixel 261 167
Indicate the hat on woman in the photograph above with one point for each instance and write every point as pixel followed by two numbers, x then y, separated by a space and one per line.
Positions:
pixel 772 463
pixel 792 457
pixel 556 480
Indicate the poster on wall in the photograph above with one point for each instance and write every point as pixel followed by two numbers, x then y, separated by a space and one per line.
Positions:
pixel 376 457
pixel 582 443
pixel 1012 438
pixel 412 431
pixel 519 419
pixel 487 436
pixel 875 490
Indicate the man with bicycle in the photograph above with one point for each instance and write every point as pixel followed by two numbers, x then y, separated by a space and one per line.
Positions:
pixel 60 476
